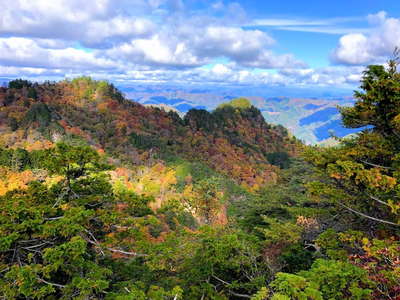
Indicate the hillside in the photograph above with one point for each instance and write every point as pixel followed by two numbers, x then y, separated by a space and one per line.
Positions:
pixel 309 119
pixel 104 198
pixel 234 141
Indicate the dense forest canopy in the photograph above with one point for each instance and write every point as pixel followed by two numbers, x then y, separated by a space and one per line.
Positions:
pixel 103 198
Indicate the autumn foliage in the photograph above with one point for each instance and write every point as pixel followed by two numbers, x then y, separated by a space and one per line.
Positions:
pixel 103 198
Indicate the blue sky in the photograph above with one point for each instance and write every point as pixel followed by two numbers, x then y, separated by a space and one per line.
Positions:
pixel 312 46
pixel 287 44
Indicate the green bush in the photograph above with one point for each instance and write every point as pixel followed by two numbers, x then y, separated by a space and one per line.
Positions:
pixel 295 287
pixel 237 103
pixel 279 159
pixel 40 113
pixel 327 279
pixel 295 258
pixel 19 84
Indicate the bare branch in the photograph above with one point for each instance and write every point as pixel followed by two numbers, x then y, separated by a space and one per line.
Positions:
pixel 378 200
pixel 232 292
pixel 240 295
pixel 27 241
pixel 220 280
pixel 368 217
pixel 51 283
pixel 54 218
pixel 35 246
pixel 125 252
pixel 95 242
pixel 375 165
pixel 113 250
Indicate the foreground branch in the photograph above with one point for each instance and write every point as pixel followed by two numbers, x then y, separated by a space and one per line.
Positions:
pixel 51 283
pixel 96 243
pixel 368 217
pixel 126 252
pixel 378 200
pixel 375 165
pixel 230 291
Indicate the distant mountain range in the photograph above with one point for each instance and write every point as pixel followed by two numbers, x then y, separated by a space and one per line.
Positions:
pixel 312 120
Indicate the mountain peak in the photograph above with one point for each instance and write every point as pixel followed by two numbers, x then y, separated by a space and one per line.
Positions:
pixel 237 103
pixel 234 139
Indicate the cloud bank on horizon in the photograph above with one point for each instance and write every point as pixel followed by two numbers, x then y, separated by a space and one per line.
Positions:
pixel 192 42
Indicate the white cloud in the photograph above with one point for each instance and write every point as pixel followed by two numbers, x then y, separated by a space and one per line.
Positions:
pixel 218 5
pixel 221 70
pixel 353 49
pixel 232 42
pixel 188 45
pixel 218 74
pixel 157 41
pixel 328 26
pixel 131 33
pixel 156 51
pixel 24 71
pixel 326 29
pixel 23 52
pixel 327 76
pixel 85 21
pixel 117 28
pixel 375 47
pixel 377 18
pixel 288 22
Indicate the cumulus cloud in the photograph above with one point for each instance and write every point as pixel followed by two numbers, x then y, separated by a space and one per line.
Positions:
pixel 115 29
pixel 158 41
pixel 326 76
pixel 90 22
pixel 131 33
pixel 375 47
pixel 249 48
pixel 24 52
pixel 232 74
pixel 27 72
pixel 158 50
pixel 189 45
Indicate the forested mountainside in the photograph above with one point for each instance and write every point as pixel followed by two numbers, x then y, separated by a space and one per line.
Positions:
pixel 104 198
pixel 311 119
pixel 233 140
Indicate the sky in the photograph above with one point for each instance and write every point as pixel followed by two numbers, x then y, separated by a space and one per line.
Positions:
pixel 289 44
